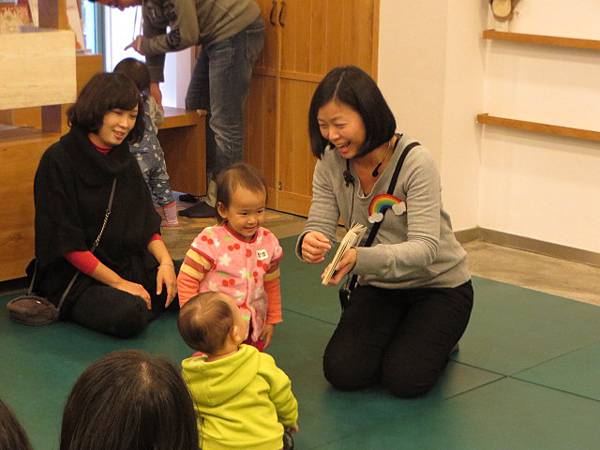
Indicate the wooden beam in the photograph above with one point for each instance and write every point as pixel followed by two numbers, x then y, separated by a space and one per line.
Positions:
pixel 538 127
pixel 539 39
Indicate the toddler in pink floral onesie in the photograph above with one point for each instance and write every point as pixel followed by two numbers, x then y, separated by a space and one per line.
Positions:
pixel 238 256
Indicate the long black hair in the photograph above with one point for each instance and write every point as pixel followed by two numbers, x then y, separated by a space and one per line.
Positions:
pixel 12 434
pixel 129 400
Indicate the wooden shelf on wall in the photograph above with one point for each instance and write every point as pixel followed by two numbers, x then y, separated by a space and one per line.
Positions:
pixel 537 127
pixel 538 39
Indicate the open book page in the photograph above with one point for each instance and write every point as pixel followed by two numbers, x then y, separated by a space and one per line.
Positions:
pixel 350 240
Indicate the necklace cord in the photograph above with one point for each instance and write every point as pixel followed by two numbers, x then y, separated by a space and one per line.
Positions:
pixel 375 172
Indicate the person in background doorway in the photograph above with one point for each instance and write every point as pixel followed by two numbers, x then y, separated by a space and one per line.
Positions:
pixel 231 34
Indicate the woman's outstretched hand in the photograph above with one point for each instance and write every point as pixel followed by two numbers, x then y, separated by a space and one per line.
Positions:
pixel 166 276
pixel 345 265
pixel 315 246
pixel 134 289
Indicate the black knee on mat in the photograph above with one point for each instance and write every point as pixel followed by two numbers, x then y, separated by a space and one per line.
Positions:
pixel 342 375
pixel 131 320
pixel 408 383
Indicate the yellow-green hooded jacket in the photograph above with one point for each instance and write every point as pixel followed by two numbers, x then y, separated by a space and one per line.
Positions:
pixel 243 401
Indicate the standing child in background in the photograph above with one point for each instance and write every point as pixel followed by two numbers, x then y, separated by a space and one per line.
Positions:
pixel 238 256
pixel 242 399
pixel 148 152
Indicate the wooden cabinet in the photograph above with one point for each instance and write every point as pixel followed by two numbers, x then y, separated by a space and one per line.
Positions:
pixel 183 141
pixel 21 148
pixel 304 40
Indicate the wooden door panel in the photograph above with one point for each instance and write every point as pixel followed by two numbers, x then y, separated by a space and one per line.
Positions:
pixel 320 34
pixel 261 128
pixel 268 63
pixel 296 162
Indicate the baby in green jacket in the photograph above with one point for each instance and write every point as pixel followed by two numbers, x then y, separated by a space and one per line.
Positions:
pixel 243 400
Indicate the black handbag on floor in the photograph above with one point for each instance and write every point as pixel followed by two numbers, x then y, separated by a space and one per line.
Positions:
pixel 346 289
pixel 34 310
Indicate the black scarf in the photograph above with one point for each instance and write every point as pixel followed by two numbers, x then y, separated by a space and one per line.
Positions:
pixel 72 187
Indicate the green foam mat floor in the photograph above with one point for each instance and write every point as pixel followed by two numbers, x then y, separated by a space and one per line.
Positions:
pixel 526 375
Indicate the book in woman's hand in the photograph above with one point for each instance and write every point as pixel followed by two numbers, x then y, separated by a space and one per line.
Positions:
pixel 350 240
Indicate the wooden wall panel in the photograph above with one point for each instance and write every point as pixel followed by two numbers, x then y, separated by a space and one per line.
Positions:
pixel 296 162
pixel 38 68
pixel 20 157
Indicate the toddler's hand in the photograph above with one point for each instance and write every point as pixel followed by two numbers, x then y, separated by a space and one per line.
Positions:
pixel 267 335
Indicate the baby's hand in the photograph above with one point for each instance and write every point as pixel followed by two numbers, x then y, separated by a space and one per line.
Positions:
pixel 294 428
pixel 267 335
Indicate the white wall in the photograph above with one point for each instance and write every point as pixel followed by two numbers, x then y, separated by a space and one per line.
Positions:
pixel 431 64
pixel 122 27
pixel 464 93
pixel 412 69
pixel 534 185
pixel 437 73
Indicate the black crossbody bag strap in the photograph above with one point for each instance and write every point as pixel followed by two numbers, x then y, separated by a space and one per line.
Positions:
pixel 375 228
pixel 94 246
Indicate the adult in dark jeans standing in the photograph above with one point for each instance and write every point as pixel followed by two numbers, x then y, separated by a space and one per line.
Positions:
pixel 414 296
pixel 231 33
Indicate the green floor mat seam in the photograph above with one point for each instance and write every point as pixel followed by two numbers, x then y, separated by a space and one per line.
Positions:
pixel 546 361
pixel 552 388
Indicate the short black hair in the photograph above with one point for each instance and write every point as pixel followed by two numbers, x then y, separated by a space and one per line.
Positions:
pixel 129 400
pixel 354 88
pixel 137 71
pixel 103 93
pixel 12 434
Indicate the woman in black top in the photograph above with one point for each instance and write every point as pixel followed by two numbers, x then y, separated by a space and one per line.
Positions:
pixel 130 277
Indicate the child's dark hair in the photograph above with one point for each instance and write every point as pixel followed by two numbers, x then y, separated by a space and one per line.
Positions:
pixel 137 71
pixel 205 321
pixel 355 88
pixel 129 400
pixel 102 94
pixel 12 434
pixel 239 174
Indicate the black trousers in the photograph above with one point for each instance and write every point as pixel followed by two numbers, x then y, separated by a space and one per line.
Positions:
pixel 400 338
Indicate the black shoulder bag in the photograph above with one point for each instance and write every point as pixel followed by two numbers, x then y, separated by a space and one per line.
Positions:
pixel 347 288
pixel 34 310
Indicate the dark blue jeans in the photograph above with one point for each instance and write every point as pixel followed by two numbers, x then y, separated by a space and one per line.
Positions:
pixel 220 84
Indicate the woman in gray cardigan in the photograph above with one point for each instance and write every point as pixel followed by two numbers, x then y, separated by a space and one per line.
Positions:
pixel 414 296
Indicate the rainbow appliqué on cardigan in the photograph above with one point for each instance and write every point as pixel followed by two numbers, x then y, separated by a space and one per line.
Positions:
pixel 381 203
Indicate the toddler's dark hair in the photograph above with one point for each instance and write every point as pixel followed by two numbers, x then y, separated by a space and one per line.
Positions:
pixel 137 71
pixel 205 321
pixel 239 174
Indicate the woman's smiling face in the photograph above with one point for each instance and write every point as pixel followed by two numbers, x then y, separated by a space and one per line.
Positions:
pixel 116 126
pixel 343 127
